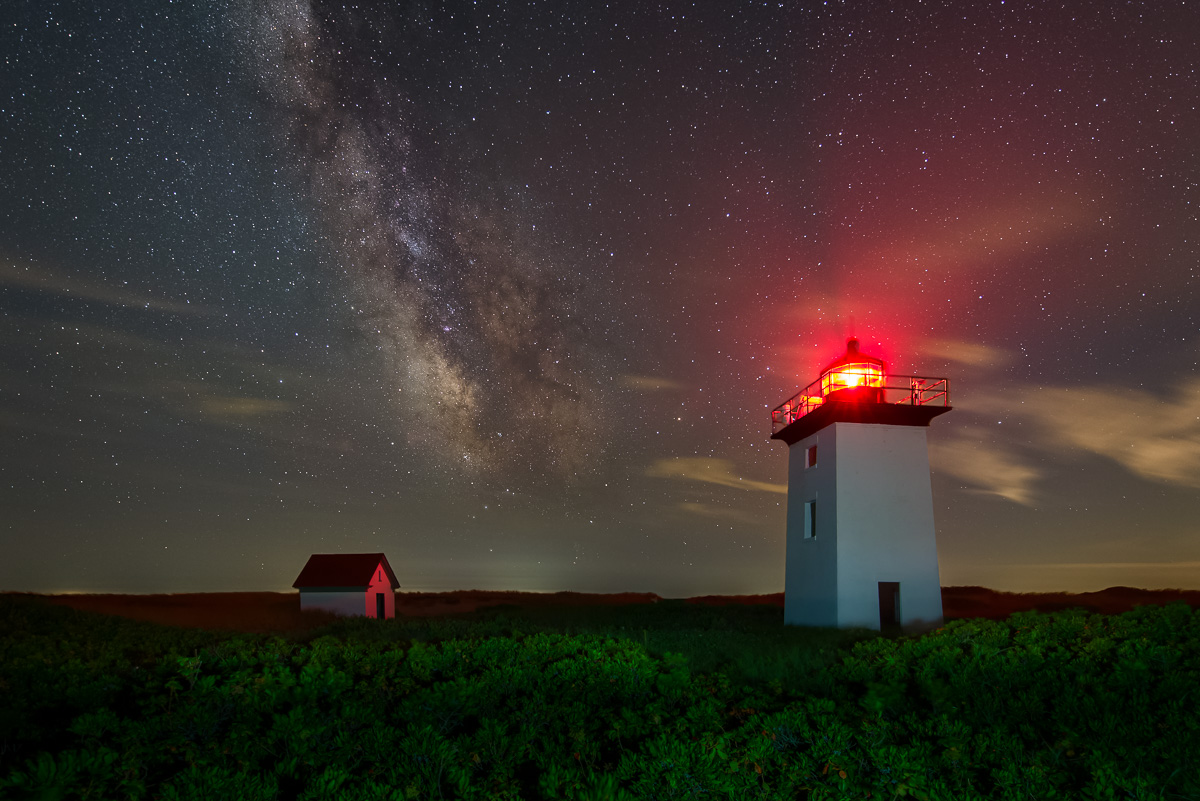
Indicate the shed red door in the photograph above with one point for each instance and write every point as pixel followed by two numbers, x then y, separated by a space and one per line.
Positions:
pixel 380 610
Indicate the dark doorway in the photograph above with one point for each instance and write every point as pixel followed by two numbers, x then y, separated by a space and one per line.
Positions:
pixel 380 609
pixel 889 607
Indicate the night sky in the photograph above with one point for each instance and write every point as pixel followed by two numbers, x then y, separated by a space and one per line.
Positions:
pixel 508 290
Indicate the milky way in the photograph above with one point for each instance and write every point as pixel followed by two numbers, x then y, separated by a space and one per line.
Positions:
pixel 474 314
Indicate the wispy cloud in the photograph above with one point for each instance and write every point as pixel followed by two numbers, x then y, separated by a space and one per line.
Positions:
pixel 223 405
pixel 650 383
pixel 968 353
pixel 985 467
pixel 1156 438
pixel 231 407
pixel 45 279
pixel 711 471
pixel 996 231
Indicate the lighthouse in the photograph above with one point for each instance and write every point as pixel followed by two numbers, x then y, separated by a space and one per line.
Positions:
pixel 861 548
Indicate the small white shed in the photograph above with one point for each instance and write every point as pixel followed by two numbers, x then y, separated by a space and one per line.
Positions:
pixel 349 584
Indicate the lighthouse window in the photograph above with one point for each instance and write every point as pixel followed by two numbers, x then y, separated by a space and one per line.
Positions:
pixel 810 520
pixel 810 456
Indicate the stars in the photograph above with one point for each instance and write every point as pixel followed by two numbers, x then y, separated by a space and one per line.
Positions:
pixel 317 276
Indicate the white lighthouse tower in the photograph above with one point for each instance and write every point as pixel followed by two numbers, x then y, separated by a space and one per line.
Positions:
pixel 860 538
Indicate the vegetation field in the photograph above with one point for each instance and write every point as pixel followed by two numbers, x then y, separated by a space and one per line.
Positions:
pixel 644 701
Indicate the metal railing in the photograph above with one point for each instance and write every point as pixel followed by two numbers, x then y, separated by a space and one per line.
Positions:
pixel 907 390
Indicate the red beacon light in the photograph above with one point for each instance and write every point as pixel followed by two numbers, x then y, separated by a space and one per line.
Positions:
pixel 856 381
pixel 854 377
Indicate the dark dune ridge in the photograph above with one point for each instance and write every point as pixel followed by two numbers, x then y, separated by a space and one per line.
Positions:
pixel 280 611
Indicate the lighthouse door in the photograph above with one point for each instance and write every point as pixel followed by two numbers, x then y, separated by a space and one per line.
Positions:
pixel 889 607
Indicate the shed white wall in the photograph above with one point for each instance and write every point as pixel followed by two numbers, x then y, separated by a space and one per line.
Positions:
pixel 341 602
pixel 874 524
pixel 360 603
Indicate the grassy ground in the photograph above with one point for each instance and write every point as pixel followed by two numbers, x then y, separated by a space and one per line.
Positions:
pixel 670 700
pixel 744 642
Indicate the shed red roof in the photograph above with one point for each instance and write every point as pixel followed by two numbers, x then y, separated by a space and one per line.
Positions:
pixel 343 570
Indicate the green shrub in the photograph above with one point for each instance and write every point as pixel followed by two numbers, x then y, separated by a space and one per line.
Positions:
pixel 674 702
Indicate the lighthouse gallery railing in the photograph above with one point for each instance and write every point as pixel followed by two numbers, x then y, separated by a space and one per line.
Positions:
pixel 910 390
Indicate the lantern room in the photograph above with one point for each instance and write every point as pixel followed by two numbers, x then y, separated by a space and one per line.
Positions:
pixel 856 386
pixel 854 377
